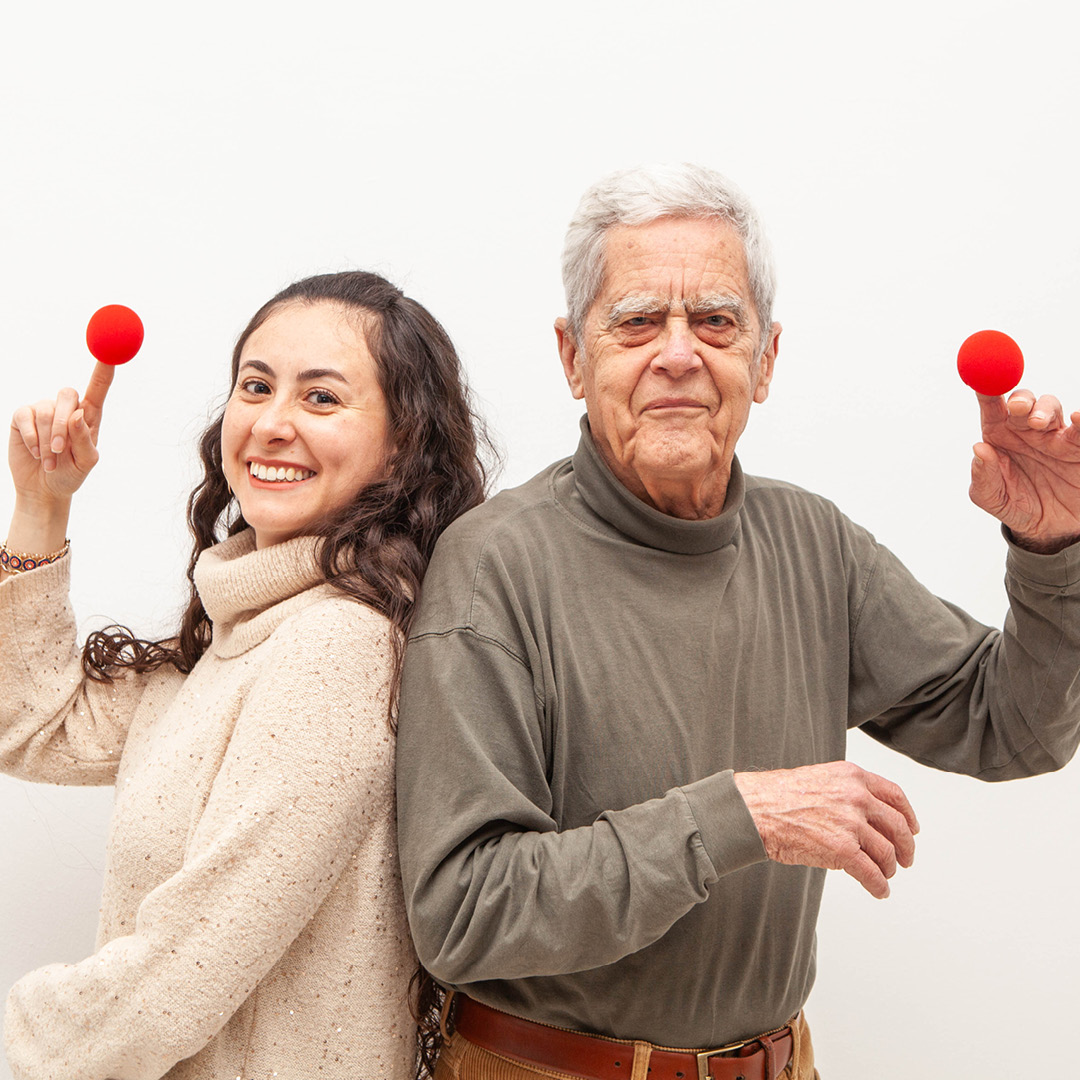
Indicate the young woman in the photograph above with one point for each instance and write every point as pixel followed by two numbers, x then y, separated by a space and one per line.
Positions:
pixel 251 924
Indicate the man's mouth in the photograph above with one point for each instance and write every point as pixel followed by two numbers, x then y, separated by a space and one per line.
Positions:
pixel 676 403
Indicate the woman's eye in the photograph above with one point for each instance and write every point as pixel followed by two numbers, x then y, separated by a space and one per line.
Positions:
pixel 255 386
pixel 321 397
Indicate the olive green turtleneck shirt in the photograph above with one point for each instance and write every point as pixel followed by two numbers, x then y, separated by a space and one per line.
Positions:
pixel 585 675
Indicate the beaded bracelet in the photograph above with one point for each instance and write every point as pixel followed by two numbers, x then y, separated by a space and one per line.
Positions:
pixel 14 562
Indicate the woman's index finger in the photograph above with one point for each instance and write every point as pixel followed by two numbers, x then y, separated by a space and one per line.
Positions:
pixel 98 386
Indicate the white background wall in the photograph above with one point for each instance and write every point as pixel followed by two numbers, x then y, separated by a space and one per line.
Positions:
pixel 917 168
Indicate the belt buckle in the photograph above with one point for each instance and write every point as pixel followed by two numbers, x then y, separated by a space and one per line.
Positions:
pixel 703 1058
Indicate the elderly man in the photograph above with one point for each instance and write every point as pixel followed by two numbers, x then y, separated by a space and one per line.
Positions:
pixel 627 689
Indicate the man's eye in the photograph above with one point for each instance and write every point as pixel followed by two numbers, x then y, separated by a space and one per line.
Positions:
pixel 637 320
pixel 719 320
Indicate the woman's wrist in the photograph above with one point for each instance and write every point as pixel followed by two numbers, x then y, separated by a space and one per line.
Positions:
pixel 38 527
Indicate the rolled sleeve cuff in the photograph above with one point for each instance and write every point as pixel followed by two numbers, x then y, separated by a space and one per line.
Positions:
pixel 1058 571
pixel 727 830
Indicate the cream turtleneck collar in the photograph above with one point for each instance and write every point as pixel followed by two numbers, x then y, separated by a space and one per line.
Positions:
pixel 249 593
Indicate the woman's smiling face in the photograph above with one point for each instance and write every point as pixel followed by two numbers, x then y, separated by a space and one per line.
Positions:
pixel 305 428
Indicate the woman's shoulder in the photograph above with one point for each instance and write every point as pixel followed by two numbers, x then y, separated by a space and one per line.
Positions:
pixel 333 616
pixel 335 654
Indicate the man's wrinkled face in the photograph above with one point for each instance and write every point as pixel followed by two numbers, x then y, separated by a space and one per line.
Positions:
pixel 670 360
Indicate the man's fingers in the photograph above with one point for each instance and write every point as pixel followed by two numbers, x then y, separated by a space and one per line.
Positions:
pixel 893 794
pixel 868 874
pixel 1041 414
pixel 992 410
pixel 987 483
pixel 891 816
pixel 1020 403
pixel 67 401
pixel 96 389
pixel 879 848
pixel 1072 432
pixel 1048 413
pixel 895 830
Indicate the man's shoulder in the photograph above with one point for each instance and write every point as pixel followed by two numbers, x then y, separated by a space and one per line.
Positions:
pixel 504 518
pixel 804 519
pixel 765 492
pixel 488 552
pixel 771 485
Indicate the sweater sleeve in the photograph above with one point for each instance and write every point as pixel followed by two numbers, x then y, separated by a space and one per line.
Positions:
pixel 56 725
pixel 931 682
pixel 494 889
pixel 306 775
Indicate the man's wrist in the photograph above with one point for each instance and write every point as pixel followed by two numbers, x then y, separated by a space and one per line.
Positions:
pixel 1042 545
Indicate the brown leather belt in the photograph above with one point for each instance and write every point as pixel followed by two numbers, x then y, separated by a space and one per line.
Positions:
pixel 595 1057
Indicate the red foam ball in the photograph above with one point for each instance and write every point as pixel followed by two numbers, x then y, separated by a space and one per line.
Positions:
pixel 990 362
pixel 114 334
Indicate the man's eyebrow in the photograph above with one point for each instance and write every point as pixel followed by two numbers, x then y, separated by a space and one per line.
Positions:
pixel 637 304
pixel 693 305
pixel 704 305
pixel 304 376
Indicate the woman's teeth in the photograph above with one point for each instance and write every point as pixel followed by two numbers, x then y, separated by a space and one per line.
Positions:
pixel 268 472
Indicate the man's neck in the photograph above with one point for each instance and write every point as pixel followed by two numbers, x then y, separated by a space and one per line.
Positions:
pixel 694 499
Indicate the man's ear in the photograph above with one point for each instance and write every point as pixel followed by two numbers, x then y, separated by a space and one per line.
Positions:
pixel 571 358
pixel 767 363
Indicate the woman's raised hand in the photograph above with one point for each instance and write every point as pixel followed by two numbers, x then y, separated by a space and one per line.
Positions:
pixel 53 444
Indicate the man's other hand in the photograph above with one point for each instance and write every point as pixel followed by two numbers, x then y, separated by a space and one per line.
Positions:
pixel 833 815
pixel 1026 470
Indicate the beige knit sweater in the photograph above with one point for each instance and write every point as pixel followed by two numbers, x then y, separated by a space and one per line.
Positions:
pixel 252 924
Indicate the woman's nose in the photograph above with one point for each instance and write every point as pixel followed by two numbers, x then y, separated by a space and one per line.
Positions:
pixel 274 423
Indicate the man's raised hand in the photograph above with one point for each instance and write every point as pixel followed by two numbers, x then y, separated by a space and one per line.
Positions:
pixel 1026 471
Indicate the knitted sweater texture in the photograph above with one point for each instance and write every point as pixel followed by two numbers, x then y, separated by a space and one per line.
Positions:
pixel 251 921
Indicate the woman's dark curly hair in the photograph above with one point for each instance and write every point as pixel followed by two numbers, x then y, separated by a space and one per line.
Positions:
pixel 376 548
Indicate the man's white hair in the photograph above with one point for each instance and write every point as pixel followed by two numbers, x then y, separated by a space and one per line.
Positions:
pixel 638 196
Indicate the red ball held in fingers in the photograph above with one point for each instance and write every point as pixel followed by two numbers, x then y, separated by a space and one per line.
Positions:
pixel 114 334
pixel 990 362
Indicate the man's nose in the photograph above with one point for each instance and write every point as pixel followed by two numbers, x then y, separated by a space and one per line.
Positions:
pixel 678 350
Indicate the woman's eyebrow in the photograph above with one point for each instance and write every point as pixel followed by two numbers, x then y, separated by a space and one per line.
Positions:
pixel 321 373
pixel 303 376
pixel 258 365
